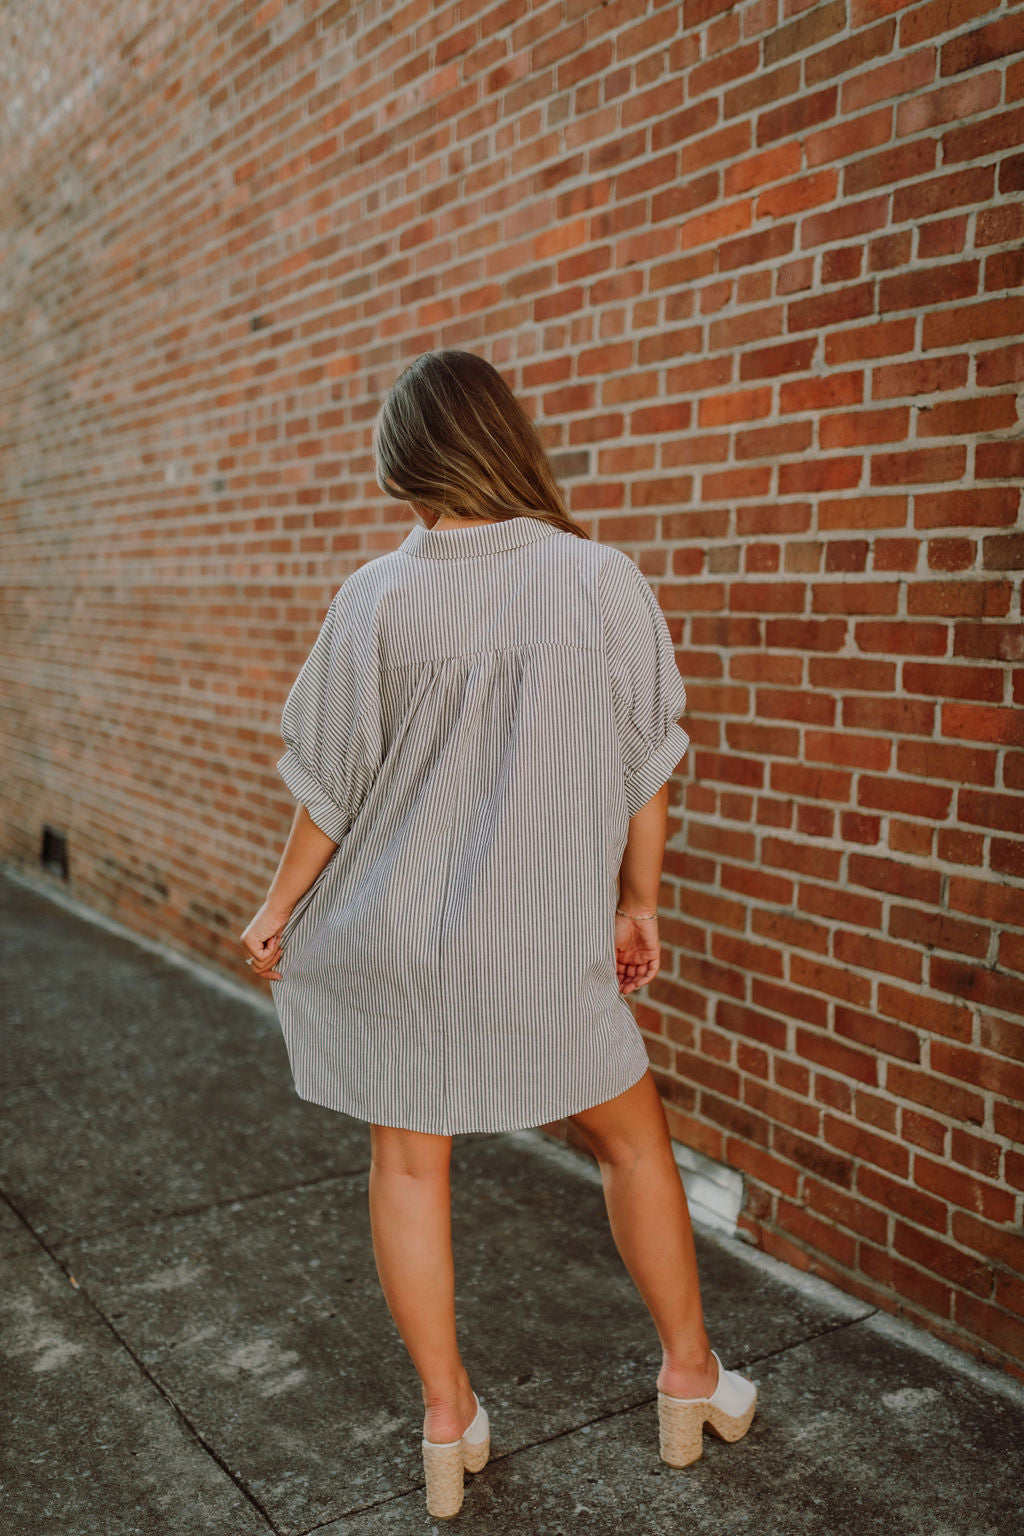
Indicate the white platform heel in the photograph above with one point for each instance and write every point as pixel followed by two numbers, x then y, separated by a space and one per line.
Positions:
pixel 728 1412
pixel 444 1462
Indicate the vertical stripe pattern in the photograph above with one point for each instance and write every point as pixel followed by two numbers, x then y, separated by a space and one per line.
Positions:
pixel 482 711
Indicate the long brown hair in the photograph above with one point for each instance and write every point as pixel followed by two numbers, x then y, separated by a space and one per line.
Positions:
pixel 452 437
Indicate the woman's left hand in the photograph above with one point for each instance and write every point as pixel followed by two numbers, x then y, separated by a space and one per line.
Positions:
pixel 262 941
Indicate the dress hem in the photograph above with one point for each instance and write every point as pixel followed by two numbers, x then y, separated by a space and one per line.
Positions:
pixel 483 1130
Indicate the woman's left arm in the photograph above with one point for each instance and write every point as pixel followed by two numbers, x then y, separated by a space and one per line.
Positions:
pixel 305 856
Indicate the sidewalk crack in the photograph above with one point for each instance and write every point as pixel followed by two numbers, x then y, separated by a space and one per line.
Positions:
pixel 190 1428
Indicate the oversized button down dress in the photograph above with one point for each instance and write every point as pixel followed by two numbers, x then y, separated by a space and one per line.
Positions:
pixel 482 711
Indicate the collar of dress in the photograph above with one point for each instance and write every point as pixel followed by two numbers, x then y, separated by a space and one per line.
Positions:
pixel 475 538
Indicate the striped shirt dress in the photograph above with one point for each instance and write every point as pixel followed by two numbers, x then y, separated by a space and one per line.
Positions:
pixel 482 711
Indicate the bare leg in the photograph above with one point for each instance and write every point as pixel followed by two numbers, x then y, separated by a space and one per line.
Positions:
pixel 410 1219
pixel 650 1222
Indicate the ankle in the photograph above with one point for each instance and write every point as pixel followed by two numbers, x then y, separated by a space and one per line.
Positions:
pixel 448 1414
pixel 444 1393
pixel 693 1373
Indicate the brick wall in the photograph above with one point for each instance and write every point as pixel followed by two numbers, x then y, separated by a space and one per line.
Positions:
pixel 756 270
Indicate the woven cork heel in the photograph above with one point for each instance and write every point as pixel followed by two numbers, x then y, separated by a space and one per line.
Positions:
pixel 445 1461
pixel 728 1412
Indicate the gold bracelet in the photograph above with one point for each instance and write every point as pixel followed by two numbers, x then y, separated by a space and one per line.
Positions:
pixel 635 914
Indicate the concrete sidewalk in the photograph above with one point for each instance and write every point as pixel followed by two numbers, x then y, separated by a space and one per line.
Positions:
pixel 194 1338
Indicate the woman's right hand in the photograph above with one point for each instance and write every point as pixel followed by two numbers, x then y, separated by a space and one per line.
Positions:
pixel 637 951
pixel 261 941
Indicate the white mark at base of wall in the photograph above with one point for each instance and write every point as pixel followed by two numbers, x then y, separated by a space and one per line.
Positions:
pixel 714 1191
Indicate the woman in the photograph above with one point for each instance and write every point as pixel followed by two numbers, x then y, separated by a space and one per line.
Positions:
pixel 480 743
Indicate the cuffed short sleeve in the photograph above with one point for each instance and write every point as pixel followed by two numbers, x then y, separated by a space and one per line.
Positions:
pixel 647 690
pixel 330 724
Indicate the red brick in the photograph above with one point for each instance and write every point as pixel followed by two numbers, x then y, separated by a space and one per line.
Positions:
pixel 797 115
pixel 980 45
pixel 877 955
pixel 854 828
pixel 978 723
pixel 986 899
pixel 986 987
pixel 946 681
pixel 999 642
pixel 923 1130
pixel 991 1323
pixel 925 1013
pixel 968 597
pixel 938 930
pixel 877 1034
pixel 902 638
pixel 924 1210
pixel 944 1097
pixel 845 1209
pixel 789 1002
pixel 1002 365
pixel 1003 812
pixel 999 460
pixel 937 17
pixel 820 475
pixel 977 1152
pixel 855 597
pixel 880 338
pixel 957 847
pixel 834 308
pixel 1004 1245
pixel 900 716
pixel 851 673
pixel 909 72
pixel 927 286
pixel 848 220
pixel 908 1282
pixel 936 760
pixel 819 1235
pixel 916 465
pixel 864 427
pixel 973 322
pixel 942 1257
pixel 816 1157
pixel 810 783
pixel 938 193
pixel 739 1019
pixel 1007 857
pixel 797 195
pixel 942 237
pixel 908 798
pixel 951 103
pixel 923 376
pixel 834 981
pixel 791 932
pixel 961 1189
pixel 976 506
pixel 759 1164
pixel 895 554
pixel 837 1057
pixel 814 26
pixel 1003 552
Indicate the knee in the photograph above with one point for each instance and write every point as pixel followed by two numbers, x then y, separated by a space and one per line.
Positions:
pixel 627 1128
pixel 412 1154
